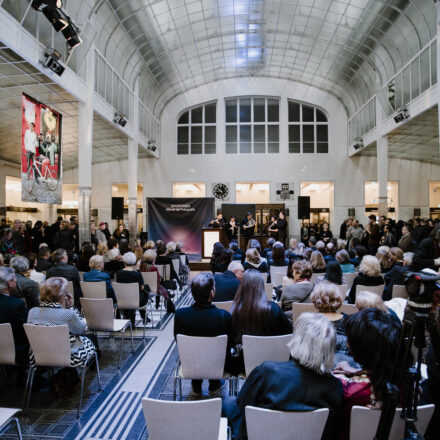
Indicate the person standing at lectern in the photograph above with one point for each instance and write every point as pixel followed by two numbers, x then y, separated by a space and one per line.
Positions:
pixel 232 229
pixel 248 225
pixel 218 222
pixel 282 228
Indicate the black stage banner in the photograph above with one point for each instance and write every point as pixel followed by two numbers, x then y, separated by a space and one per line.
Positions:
pixel 179 219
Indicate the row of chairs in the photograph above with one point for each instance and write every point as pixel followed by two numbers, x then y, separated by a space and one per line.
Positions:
pixel 202 419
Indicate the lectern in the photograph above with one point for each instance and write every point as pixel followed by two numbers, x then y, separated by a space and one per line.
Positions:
pixel 209 237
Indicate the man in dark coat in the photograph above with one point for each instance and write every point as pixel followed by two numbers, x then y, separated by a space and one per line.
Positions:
pixel 226 284
pixel 396 275
pixel 427 253
pixel 203 319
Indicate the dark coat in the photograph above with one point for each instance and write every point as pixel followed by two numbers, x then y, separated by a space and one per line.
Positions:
pixel 14 312
pixel 43 265
pixel 165 259
pixel 27 289
pixel 70 273
pixel 363 280
pixel 424 255
pixel 396 275
pixel 226 285
pixel 113 266
pixel 287 386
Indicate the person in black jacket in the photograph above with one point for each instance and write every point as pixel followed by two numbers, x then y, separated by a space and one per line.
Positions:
pixel 25 288
pixel 14 312
pixel 304 383
pixel 62 269
pixel 427 253
pixel 369 276
pixel 203 319
pixel 43 262
pixel 396 275
pixel 282 228
pixel 163 259
pixel 226 283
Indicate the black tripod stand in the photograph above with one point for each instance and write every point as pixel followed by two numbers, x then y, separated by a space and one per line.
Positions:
pixel 417 318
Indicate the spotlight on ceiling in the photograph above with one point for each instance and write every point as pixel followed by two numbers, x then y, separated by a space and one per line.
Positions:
pixel 358 144
pixel 119 118
pixel 71 35
pixel 52 60
pixel 151 146
pixel 51 3
pixel 401 114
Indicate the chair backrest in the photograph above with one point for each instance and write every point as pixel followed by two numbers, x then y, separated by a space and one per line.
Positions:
pixel 69 287
pixel 277 269
pixel 164 271
pixel 364 421
pixel 81 275
pixel 182 420
pixel 269 291
pixel 94 289
pixel 348 309
pixel 378 290
pixel 349 277
pixel 176 264
pixel 277 278
pixel 399 291
pixel 50 344
pixel 209 352
pixel 98 313
pixel 314 276
pixel 150 278
pixel 282 425
pixel 264 275
pixel 127 295
pixel 183 259
pixel 299 308
pixel 344 290
pixel 7 347
pixel 257 349
pixel 224 305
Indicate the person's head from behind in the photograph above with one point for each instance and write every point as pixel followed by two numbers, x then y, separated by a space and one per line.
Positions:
pixel 330 249
pixel 254 244
pixel 96 262
pixel 171 247
pixel 327 297
pixel 317 260
pixel 361 251
pixel 112 243
pixel 233 246
pixel 368 300
pixel 203 287
pixel 87 253
pixel 60 256
pixel 237 269
pixel 313 343
pixel 333 272
pixel 160 247
pixel 113 254
pixel 373 338
pixel 252 256
pixel 124 246
pixel 19 264
pixel 396 255
pixel 270 242
pixel 150 256
pixel 340 244
pixel 320 246
pixel 278 253
pixel 293 243
pixel 312 242
pixel 8 281
pixel 44 252
pixel 217 250
pixel 129 259
pixel 408 258
pixel 370 266
pixel 149 245
pixel 342 257
pixel 139 252
pixel 102 249
pixel 54 290
pixel 32 259
pixel 302 270
pixel 179 246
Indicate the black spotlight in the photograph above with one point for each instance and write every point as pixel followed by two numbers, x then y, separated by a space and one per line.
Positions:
pixel 58 21
pixel 119 119
pixel 71 36
pixel 52 60
pixel 52 3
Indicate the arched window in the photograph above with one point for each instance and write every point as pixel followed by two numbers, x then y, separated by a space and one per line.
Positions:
pixel 308 129
pixel 252 125
pixel 196 130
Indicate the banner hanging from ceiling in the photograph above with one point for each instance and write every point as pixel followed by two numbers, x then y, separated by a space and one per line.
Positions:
pixel 41 170
pixel 179 219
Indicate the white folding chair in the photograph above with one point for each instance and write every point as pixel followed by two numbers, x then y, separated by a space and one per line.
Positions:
pixel 164 271
pixel 399 292
pixel 51 348
pixel 348 309
pixel 364 421
pixel 176 265
pixel 69 287
pixel 210 353
pixel 184 420
pixel 258 349
pixel 183 259
pixel 268 287
pixel 299 308
pixel 378 290
pixel 99 317
pixel 94 289
pixel 277 269
pixel 264 275
pixel 150 278
pixel 81 275
pixel 7 418
pixel 7 346
pixel 348 278
pixel 263 423
pixel 277 278
pixel 344 290
pixel 127 298
pixel 224 305
pixel 315 276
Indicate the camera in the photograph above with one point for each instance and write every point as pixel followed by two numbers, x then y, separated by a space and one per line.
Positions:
pixel 420 287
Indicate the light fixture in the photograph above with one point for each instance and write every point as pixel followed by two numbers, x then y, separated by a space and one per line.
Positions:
pixel 401 114
pixel 71 35
pixel 51 3
pixel 119 118
pixel 52 60
pixel 358 143
pixel 151 146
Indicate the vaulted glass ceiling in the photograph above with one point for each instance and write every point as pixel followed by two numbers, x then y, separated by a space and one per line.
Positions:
pixel 347 47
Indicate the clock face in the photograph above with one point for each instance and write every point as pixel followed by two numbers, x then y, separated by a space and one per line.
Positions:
pixel 220 191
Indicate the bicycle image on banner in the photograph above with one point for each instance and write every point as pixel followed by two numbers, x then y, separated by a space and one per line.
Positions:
pixel 41 170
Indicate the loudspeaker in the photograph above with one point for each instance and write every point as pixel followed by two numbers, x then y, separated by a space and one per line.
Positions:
pixel 417 212
pixel 117 208
pixel 287 212
pixel 351 212
pixel 303 207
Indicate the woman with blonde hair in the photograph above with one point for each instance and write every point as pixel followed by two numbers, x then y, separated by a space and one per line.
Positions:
pixel 369 300
pixel 327 299
pixel 56 308
pixel 317 261
pixel 254 261
pixel 383 255
pixel 369 275
pixel 139 252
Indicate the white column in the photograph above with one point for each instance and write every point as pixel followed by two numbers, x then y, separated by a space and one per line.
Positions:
pixel 85 143
pixel 382 161
pixel 133 168
pixel 437 5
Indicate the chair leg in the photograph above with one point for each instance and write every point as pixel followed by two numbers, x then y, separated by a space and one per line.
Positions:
pixel 180 388
pixel 17 424
pixel 28 389
pixel 145 323
pixel 83 377
pixel 131 337
pixel 97 372
pixel 175 388
pixel 120 351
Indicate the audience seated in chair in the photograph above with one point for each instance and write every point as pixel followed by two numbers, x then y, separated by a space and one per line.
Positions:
pixel 226 284
pixel 96 274
pixel 369 276
pixel 254 261
pixel 25 288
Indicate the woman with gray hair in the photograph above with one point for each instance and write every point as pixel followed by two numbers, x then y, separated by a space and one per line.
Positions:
pixel 304 383
pixel 128 275
pixel 26 288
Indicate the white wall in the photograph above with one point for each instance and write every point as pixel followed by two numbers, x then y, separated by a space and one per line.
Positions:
pixel 349 175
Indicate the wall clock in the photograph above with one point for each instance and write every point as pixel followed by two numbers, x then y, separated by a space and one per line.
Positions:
pixel 220 191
